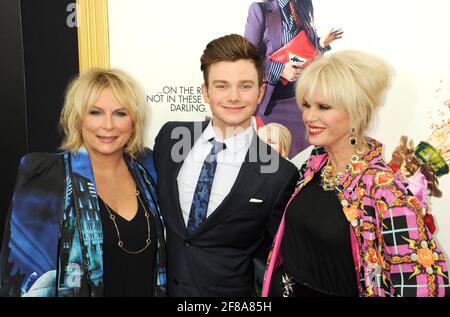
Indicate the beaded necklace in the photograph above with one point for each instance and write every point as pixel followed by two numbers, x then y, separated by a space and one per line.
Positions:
pixel 329 181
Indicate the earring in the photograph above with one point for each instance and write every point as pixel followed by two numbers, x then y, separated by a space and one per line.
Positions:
pixel 353 140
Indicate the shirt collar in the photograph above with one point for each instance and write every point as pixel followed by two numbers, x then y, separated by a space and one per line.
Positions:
pixel 233 144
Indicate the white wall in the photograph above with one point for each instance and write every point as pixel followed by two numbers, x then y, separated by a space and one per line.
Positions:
pixel 160 44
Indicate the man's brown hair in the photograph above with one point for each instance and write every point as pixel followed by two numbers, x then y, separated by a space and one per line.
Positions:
pixel 230 48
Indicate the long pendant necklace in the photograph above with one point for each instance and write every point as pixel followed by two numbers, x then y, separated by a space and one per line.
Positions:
pixel 120 242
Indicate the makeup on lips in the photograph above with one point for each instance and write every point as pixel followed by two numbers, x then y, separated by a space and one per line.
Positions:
pixel 314 130
pixel 107 139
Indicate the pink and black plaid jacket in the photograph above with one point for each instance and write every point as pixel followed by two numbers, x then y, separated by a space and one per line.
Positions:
pixel 393 251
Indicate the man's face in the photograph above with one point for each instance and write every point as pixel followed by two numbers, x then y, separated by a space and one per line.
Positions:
pixel 233 94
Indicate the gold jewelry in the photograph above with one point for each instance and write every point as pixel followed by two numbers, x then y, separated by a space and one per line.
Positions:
pixel 329 182
pixel 287 284
pixel 120 242
pixel 359 150
pixel 353 141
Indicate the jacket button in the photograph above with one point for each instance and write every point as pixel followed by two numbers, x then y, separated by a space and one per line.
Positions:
pixel 187 243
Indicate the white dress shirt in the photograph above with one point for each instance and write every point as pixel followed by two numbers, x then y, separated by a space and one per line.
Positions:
pixel 229 162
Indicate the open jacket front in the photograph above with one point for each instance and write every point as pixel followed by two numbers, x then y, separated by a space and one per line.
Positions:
pixel 53 239
pixel 393 251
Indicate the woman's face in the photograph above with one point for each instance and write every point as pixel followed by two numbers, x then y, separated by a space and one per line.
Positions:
pixel 272 136
pixel 326 125
pixel 107 126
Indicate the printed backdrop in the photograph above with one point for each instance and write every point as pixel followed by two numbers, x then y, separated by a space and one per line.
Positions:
pixel 160 43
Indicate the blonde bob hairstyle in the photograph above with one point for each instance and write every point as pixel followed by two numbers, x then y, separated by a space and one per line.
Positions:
pixel 280 133
pixel 351 79
pixel 82 94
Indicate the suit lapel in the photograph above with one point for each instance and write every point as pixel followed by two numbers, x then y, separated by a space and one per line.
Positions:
pixel 194 135
pixel 174 189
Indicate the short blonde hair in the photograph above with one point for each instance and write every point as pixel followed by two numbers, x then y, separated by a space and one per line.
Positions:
pixel 83 92
pixel 284 135
pixel 351 79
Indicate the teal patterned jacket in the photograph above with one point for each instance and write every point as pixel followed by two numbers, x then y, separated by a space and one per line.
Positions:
pixel 53 237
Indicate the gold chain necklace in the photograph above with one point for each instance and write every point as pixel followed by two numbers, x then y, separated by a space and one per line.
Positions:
pixel 120 242
pixel 329 182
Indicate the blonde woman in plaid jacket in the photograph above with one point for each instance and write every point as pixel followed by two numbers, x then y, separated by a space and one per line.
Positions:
pixel 352 227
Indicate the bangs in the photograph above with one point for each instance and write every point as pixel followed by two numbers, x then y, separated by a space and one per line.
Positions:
pixel 330 82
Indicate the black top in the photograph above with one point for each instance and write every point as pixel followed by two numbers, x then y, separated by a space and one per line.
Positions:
pixel 316 245
pixel 127 274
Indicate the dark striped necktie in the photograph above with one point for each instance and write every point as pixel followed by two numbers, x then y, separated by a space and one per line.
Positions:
pixel 202 191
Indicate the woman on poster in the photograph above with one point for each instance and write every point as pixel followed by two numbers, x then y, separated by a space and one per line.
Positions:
pixel 270 25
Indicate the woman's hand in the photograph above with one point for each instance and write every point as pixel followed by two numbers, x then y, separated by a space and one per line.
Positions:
pixel 291 71
pixel 331 36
